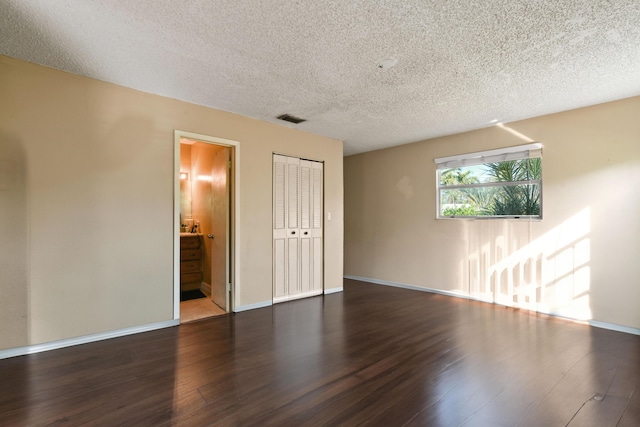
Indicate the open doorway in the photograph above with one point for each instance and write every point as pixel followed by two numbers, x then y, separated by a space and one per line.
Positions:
pixel 204 212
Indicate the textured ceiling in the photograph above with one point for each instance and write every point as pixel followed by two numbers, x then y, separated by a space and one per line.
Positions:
pixel 461 64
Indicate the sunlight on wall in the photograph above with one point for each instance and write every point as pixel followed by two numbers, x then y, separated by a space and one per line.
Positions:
pixel 550 274
pixel 514 132
pixel 566 275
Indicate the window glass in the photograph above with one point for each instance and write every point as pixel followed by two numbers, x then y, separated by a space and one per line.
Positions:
pixel 511 188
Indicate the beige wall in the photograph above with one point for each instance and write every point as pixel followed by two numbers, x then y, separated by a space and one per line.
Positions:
pixel 580 261
pixel 87 221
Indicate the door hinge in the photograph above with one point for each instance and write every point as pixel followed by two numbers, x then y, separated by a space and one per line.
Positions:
pixel 229 164
pixel 228 287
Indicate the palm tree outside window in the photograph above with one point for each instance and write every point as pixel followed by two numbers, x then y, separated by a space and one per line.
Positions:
pixel 502 183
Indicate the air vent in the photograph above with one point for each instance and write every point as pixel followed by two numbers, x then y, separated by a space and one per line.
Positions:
pixel 291 119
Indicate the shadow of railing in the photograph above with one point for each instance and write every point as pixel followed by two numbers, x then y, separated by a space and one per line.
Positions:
pixel 549 274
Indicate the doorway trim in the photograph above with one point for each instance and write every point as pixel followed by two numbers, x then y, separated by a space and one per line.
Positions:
pixel 234 204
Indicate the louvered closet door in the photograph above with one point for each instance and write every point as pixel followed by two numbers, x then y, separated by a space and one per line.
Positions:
pixel 286 227
pixel 297 228
pixel 311 226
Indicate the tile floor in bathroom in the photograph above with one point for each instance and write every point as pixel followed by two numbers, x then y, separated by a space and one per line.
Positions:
pixel 200 308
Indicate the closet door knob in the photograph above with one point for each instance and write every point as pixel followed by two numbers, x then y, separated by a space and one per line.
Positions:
pixel 293 232
pixel 210 236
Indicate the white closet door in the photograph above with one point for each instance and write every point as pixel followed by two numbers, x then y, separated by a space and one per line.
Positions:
pixel 279 226
pixel 297 228
pixel 293 225
pixel 317 264
pixel 306 241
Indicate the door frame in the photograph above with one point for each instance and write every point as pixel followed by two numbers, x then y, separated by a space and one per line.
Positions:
pixel 234 223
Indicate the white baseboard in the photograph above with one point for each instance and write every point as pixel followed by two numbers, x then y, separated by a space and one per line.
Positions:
pixel 595 323
pixel 283 299
pixel 614 327
pixel 297 296
pixel 54 345
pixel 406 286
pixel 253 306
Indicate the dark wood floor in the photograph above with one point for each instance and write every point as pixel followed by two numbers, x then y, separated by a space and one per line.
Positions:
pixel 372 355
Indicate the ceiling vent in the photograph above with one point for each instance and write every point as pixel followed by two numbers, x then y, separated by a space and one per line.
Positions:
pixel 291 119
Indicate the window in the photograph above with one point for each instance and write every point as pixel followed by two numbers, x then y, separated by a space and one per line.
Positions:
pixel 503 183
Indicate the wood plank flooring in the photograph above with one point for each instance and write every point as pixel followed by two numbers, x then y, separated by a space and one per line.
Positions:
pixel 372 355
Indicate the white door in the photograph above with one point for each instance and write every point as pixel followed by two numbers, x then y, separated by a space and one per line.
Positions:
pixel 297 228
pixel 311 226
pixel 285 195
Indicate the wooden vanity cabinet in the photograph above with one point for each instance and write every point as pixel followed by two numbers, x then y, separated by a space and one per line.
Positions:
pixel 190 262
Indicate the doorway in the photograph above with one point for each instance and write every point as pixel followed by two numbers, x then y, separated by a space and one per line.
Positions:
pixel 204 232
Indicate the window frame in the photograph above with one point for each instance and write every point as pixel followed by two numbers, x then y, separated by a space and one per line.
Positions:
pixel 519 152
